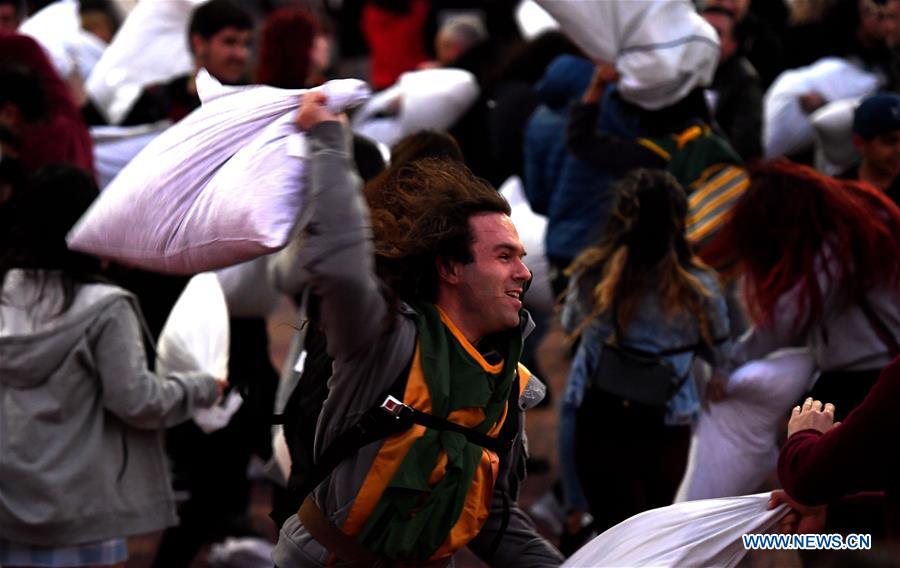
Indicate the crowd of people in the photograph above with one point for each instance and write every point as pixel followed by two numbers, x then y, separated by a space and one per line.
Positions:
pixel 680 239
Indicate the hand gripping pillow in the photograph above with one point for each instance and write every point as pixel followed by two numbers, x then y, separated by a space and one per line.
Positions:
pixel 833 126
pixel 221 187
pixel 196 337
pixel 786 127
pixel 662 49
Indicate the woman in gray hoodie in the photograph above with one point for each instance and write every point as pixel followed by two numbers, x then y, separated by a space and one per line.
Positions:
pixel 81 459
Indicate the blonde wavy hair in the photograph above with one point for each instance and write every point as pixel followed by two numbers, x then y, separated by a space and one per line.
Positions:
pixel 644 246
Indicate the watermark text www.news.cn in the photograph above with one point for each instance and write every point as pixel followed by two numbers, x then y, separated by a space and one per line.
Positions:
pixel 807 542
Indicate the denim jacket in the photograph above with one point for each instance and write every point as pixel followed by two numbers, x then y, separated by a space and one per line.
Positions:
pixel 649 330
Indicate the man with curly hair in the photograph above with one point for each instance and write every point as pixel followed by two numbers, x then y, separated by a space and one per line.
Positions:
pixel 435 332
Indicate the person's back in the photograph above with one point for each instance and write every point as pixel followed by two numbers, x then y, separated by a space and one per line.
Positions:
pixel 82 462
pixel 639 291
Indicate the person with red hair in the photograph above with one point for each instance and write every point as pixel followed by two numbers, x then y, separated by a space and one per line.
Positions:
pixel 819 261
pixel 60 136
pixel 294 51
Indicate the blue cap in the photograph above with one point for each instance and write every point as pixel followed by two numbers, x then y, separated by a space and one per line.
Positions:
pixel 876 115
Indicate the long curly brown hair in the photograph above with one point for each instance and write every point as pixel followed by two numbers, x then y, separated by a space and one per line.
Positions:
pixel 424 214
pixel 644 247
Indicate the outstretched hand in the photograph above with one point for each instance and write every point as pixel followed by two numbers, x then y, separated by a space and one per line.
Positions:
pixel 811 416
pixel 313 111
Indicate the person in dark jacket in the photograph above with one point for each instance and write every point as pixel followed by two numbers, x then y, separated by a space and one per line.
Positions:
pixel 876 135
pixel 736 91
pixel 574 195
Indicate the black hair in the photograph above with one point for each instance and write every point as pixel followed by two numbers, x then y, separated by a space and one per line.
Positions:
pixel 673 118
pixel 23 88
pixel 216 15
pixel 43 213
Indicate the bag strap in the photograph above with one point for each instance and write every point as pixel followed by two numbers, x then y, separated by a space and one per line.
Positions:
pixel 391 417
pixel 881 330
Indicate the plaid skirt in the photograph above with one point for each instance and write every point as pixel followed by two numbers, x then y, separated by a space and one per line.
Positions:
pixel 101 553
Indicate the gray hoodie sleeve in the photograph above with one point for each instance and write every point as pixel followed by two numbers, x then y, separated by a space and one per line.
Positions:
pixel 336 248
pixel 129 389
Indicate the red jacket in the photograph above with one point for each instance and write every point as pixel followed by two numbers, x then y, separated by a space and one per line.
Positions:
pixel 396 41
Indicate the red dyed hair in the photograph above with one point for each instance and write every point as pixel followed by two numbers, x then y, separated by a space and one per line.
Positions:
pixel 786 219
pixel 284 52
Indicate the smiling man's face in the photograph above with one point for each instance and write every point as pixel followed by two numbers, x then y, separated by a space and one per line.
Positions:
pixel 490 287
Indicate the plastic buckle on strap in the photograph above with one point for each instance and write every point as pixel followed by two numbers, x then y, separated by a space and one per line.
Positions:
pixel 393 406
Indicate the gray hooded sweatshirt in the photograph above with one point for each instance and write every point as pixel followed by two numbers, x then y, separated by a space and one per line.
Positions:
pixel 81 458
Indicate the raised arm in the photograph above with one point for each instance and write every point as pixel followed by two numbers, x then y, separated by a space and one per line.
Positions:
pixel 601 150
pixel 335 243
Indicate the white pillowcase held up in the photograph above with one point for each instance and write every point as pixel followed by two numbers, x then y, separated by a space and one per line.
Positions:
pixel 221 187
pixel 662 50
pixel 786 127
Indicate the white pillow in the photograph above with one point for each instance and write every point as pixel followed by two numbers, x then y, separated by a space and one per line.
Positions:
pixel 662 50
pixel 432 98
pixel 151 47
pixel 786 128
pixel 733 445
pixel 221 187
pixel 57 27
pixel 116 146
pixel 196 338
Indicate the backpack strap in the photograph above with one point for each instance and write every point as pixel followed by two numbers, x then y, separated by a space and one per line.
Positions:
pixel 391 417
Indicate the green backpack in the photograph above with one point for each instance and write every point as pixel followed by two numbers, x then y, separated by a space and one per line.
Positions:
pixel 711 173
